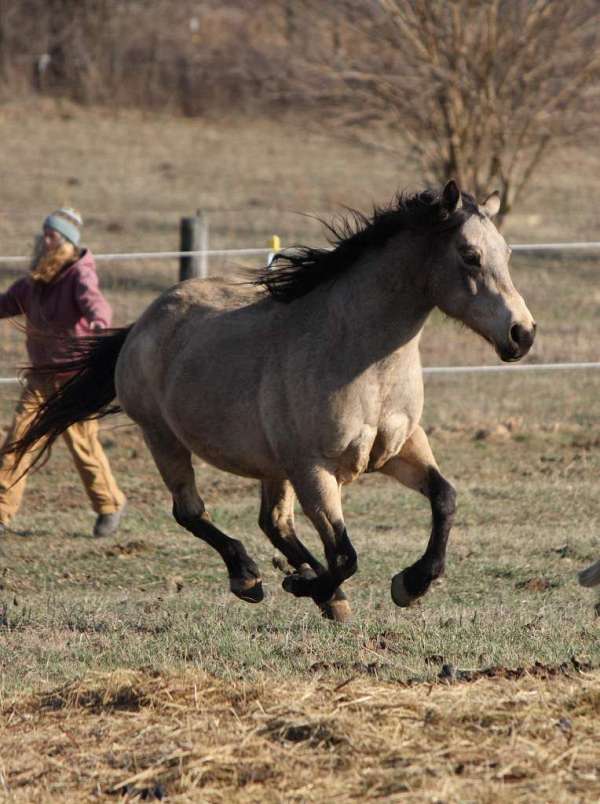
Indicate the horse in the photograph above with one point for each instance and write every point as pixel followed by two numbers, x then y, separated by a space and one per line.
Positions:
pixel 304 379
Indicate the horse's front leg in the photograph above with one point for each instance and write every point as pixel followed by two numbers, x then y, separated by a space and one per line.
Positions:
pixel 318 492
pixel 416 468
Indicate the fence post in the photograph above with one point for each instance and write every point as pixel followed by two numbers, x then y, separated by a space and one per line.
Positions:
pixel 203 218
pixel 193 236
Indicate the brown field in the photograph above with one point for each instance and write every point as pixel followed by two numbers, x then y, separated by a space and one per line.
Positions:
pixel 127 669
pixel 192 737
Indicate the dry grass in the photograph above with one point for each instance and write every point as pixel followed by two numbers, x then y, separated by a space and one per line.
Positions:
pixel 196 738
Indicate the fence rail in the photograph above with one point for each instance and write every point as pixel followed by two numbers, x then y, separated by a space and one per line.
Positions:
pixel 591 245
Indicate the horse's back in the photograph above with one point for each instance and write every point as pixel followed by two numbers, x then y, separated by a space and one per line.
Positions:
pixel 179 320
pixel 195 361
pixel 217 294
pixel 191 300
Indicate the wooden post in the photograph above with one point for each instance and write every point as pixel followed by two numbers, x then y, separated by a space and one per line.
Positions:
pixel 203 218
pixel 193 237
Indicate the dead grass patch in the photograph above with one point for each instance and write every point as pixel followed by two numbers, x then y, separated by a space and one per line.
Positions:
pixel 193 737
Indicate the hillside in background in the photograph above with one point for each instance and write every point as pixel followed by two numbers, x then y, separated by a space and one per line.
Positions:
pixel 488 93
pixel 134 174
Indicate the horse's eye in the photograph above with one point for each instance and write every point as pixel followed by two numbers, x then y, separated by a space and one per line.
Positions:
pixel 472 258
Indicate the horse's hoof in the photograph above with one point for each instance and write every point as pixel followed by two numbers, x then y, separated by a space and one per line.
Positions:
pixel 295 584
pixel 248 589
pixel 338 611
pixel 400 594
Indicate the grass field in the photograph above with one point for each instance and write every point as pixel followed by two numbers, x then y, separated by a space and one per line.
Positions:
pixel 127 668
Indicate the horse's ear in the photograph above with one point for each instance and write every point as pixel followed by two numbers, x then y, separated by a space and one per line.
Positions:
pixel 491 205
pixel 451 196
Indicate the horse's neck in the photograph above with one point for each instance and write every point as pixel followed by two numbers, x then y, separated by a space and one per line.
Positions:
pixel 381 304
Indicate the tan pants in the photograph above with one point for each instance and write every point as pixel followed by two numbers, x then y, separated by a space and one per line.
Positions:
pixel 84 446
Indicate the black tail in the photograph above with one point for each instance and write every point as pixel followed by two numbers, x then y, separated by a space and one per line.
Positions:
pixel 87 393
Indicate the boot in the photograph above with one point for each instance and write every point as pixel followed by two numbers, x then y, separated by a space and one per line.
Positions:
pixel 108 524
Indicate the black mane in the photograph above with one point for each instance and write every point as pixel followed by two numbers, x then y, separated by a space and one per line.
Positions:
pixel 297 273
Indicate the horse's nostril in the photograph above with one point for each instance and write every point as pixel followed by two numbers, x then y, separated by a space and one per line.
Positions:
pixel 521 336
pixel 516 334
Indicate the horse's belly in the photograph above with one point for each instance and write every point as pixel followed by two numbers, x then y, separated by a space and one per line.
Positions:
pixel 242 465
pixel 232 444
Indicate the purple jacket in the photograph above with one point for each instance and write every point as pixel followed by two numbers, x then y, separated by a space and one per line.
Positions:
pixel 66 306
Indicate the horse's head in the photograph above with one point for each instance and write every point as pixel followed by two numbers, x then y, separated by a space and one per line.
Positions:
pixel 470 280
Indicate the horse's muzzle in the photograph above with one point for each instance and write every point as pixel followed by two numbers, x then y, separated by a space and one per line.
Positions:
pixel 520 341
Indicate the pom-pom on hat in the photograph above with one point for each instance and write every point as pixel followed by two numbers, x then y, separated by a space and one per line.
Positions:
pixel 67 222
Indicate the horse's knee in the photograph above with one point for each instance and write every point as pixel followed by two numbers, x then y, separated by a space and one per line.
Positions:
pixel 269 523
pixel 264 522
pixel 275 522
pixel 442 495
pixel 187 516
pixel 348 554
pixel 182 516
pixel 341 557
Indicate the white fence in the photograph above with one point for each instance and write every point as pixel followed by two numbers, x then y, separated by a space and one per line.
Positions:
pixel 268 252
pixel 162 255
pixel 591 245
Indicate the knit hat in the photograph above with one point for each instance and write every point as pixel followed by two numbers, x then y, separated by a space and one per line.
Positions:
pixel 67 222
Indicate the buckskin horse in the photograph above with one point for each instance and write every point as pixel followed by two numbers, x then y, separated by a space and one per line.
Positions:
pixel 306 384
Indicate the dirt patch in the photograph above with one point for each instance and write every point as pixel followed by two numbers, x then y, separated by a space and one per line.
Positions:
pixel 537 584
pixel 131 548
pixel 498 433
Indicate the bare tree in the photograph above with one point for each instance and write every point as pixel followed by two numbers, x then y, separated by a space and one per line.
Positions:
pixel 482 89
pixel 191 56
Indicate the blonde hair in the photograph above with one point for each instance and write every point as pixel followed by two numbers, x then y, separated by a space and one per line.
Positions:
pixel 46 265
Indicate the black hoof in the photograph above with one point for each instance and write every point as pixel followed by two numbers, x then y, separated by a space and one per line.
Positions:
pixel 249 590
pixel 296 585
pixel 412 583
pixel 400 594
pixel 320 589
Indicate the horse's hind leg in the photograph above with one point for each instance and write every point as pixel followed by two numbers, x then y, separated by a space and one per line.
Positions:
pixel 277 521
pixel 415 467
pixel 318 491
pixel 174 462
